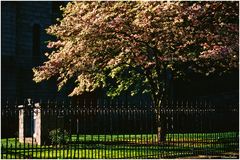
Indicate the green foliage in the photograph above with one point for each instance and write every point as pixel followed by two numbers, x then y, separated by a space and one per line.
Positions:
pixel 58 136
pixel 131 44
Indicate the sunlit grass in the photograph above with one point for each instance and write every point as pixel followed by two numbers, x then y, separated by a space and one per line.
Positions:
pixel 124 146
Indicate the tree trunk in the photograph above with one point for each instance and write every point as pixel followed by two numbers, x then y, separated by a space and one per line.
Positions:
pixel 160 123
pixel 161 129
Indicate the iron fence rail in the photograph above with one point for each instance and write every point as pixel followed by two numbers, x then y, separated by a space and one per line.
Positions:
pixel 115 129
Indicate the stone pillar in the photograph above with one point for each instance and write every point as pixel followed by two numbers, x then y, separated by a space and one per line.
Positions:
pixel 21 123
pixel 37 121
pixel 37 125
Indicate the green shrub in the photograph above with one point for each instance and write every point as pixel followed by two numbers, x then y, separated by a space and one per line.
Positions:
pixel 58 136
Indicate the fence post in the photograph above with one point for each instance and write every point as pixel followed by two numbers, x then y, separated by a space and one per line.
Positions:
pixel 21 123
pixel 37 123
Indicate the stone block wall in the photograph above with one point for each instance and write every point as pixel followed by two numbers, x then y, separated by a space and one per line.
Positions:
pixel 18 19
pixel 8 28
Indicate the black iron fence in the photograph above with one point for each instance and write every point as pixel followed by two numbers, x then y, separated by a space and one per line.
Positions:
pixel 115 129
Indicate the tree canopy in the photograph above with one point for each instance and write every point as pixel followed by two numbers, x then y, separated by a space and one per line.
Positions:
pixel 133 44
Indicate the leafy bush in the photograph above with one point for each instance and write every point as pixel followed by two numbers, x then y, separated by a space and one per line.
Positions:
pixel 58 136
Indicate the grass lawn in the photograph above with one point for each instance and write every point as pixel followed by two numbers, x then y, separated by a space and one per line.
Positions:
pixel 125 146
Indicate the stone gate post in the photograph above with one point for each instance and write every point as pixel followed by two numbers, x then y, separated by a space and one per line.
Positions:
pixel 21 124
pixel 37 122
pixel 35 136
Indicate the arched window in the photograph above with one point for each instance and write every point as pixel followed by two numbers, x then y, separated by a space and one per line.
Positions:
pixel 36 42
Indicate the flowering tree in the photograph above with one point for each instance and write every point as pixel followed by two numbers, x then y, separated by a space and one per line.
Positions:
pixel 133 44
